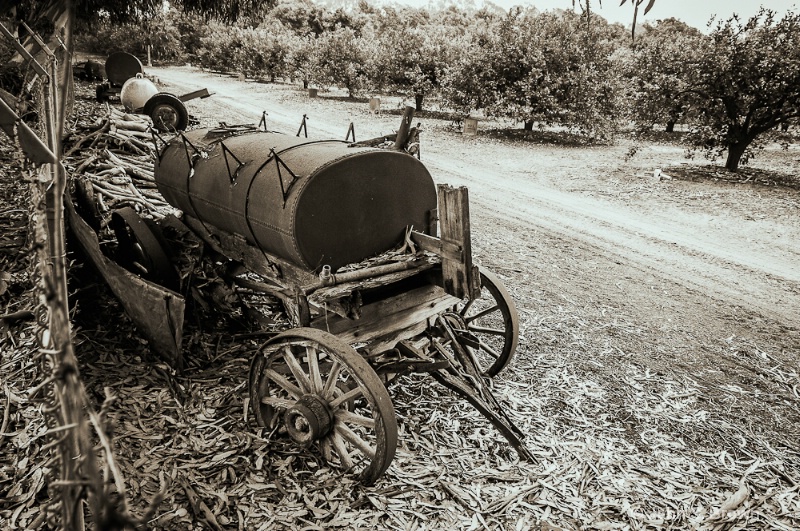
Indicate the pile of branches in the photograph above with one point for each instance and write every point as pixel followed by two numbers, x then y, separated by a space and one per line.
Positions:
pixel 112 162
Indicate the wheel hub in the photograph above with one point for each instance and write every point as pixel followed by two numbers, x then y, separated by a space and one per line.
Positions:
pixel 166 115
pixel 309 419
pixel 455 320
pixel 460 329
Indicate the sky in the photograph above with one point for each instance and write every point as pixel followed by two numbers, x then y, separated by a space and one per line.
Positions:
pixel 693 12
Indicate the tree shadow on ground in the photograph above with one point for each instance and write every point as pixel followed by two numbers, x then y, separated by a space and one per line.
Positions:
pixel 749 176
pixel 544 136
pixel 346 99
pixel 431 115
pixel 660 137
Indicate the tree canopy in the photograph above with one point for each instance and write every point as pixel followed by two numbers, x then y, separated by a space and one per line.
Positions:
pixel 657 72
pixel 125 10
pixel 745 83
pixel 729 89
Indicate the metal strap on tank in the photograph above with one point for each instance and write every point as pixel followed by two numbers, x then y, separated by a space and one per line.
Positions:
pixel 186 144
pixel 274 153
pixel 156 137
pixel 257 244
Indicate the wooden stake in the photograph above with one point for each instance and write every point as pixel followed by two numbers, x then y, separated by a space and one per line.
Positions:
pixel 461 278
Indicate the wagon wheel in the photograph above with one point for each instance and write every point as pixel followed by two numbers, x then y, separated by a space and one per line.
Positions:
pixel 493 320
pixel 326 396
pixel 140 248
pixel 168 112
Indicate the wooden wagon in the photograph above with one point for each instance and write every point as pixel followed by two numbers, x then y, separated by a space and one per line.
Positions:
pixel 420 306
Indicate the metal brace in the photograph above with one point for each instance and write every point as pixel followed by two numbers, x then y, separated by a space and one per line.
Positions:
pixel 156 137
pixel 303 126
pixel 278 163
pixel 186 145
pixel 226 151
pixel 464 378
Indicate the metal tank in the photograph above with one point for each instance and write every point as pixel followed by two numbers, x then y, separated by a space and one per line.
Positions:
pixel 312 203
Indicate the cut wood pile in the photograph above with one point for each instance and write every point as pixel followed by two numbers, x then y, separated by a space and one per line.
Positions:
pixel 112 163
pixel 190 436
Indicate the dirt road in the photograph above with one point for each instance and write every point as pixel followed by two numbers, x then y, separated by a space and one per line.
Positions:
pixel 587 196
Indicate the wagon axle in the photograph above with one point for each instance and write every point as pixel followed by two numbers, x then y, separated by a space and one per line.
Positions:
pixel 309 419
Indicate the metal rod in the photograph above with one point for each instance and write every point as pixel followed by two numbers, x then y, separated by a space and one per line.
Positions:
pixel 362 274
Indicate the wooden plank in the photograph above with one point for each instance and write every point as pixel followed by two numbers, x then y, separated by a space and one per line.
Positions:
pixel 202 93
pixel 461 278
pixel 388 342
pixel 390 315
pixel 447 250
pixel 156 311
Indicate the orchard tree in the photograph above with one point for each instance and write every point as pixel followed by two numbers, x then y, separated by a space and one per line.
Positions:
pixel 301 56
pixel 658 73
pixel 539 68
pixel 303 17
pixel 341 58
pixel 412 54
pixel 467 82
pixel 745 84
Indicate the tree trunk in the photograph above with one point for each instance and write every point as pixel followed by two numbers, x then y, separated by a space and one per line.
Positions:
pixel 670 126
pixel 418 101
pixel 735 152
pixel 305 84
pixel 528 125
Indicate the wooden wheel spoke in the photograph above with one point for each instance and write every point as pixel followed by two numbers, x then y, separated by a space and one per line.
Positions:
pixel 350 395
pixel 283 383
pixel 488 349
pixel 313 369
pixel 341 449
pixel 493 317
pixel 485 330
pixel 353 438
pixel 275 401
pixel 326 448
pixel 333 376
pixel 482 313
pixel 297 370
pixel 349 417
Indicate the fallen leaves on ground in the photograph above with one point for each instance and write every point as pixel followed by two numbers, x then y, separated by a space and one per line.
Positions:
pixel 630 461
